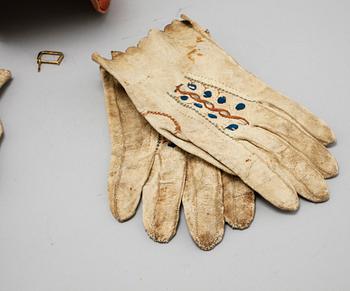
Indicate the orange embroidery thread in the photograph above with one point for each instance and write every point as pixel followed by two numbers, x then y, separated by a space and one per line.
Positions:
pixel 177 125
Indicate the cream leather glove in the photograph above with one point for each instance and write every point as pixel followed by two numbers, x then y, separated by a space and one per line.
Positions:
pixel 201 99
pixel 5 75
pixel 144 162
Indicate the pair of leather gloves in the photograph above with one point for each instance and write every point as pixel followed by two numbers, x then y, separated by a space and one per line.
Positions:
pixel 190 126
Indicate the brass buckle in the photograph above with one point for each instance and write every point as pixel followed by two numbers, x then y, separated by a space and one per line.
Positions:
pixel 40 59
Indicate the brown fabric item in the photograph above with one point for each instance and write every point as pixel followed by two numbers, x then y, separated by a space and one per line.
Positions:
pixel 5 75
pixel 101 5
pixel 145 162
pixel 176 79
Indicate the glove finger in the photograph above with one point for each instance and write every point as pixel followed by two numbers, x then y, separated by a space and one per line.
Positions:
pixel 302 116
pixel 303 142
pixel 256 90
pixel 133 146
pixel 203 203
pixel 307 180
pixel 239 202
pixel 161 195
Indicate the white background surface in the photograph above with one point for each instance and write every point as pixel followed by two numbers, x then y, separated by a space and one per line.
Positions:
pixel 56 231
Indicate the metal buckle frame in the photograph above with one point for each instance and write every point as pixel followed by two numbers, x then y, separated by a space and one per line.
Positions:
pixel 41 61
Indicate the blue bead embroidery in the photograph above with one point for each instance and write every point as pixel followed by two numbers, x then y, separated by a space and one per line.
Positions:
pixel 172 145
pixel 192 86
pixel 207 94
pixel 222 100
pixel 232 126
pixel 202 96
pixel 240 106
